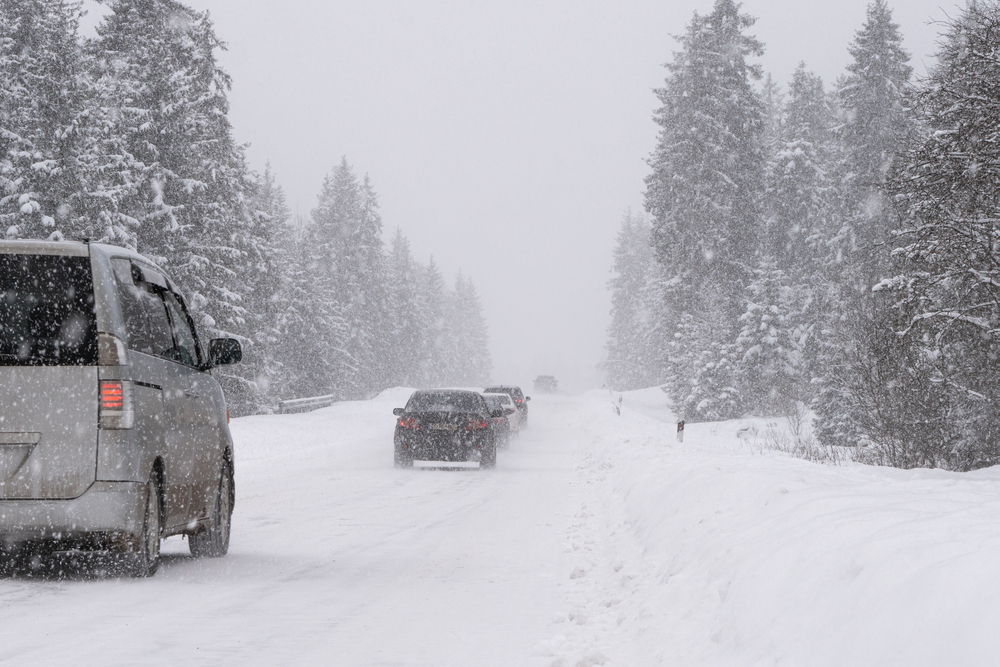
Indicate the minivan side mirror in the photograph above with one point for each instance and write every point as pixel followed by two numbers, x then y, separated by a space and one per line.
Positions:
pixel 224 351
pixel 398 412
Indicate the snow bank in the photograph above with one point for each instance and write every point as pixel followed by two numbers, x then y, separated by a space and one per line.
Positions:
pixel 718 553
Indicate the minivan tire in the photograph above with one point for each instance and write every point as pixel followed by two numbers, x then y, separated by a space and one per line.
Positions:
pixel 213 541
pixel 143 558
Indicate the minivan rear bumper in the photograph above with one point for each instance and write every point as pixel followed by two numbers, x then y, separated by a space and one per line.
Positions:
pixel 105 508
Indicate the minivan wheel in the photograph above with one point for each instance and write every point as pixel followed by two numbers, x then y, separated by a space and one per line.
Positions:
pixel 213 541
pixel 144 557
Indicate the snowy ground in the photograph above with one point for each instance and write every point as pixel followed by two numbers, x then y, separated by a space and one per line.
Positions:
pixel 598 540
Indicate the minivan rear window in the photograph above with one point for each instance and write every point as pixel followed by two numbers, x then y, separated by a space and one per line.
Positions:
pixel 47 313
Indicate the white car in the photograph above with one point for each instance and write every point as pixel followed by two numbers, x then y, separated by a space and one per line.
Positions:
pixel 507 402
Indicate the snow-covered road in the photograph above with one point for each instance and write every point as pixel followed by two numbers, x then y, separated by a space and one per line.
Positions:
pixel 598 540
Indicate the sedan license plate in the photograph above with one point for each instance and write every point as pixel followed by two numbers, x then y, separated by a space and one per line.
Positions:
pixel 446 464
pixel 442 427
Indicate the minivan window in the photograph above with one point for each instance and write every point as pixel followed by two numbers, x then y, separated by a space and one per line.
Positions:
pixel 187 347
pixel 47 315
pixel 146 323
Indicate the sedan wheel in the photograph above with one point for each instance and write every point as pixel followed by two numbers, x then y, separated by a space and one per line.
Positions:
pixel 489 456
pixel 402 458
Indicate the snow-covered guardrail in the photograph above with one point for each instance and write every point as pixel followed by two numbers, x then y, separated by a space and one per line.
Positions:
pixel 305 404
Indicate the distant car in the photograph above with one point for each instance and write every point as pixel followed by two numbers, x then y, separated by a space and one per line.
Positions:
pixel 547 384
pixel 520 401
pixel 447 425
pixel 506 425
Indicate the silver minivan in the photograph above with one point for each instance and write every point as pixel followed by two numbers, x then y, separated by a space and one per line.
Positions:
pixel 113 432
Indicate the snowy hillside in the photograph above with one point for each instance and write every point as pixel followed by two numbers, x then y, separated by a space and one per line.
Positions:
pixel 598 540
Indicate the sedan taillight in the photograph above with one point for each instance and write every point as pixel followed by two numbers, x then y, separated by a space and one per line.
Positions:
pixel 410 423
pixel 475 424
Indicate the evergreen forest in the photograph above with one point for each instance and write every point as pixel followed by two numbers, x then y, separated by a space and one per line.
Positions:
pixel 825 250
pixel 124 138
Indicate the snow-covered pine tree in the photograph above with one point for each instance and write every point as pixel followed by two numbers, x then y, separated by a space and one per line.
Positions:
pixel 872 97
pixel 798 196
pixel 773 342
pixel 633 360
pixel 947 293
pixel 433 306
pixel 191 201
pixel 334 221
pixel 408 336
pixel 248 385
pixel 703 363
pixel 786 296
pixel 306 323
pixel 347 229
pixel 774 115
pixel 875 125
pixel 468 350
pixel 705 181
pixel 703 193
pixel 56 172
pixel 371 294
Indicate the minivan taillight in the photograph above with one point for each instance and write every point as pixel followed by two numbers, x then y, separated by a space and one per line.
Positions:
pixel 115 404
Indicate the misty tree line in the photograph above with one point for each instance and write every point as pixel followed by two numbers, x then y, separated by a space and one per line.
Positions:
pixel 125 139
pixel 832 249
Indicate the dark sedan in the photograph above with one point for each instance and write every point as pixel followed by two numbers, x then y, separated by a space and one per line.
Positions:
pixel 445 425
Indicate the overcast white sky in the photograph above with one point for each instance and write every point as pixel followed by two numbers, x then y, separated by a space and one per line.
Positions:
pixel 504 138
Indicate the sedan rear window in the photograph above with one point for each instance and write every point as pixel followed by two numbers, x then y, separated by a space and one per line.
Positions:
pixel 500 399
pixel 444 401
pixel 47 313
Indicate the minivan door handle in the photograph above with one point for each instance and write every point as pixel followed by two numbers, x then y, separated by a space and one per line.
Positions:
pixel 191 393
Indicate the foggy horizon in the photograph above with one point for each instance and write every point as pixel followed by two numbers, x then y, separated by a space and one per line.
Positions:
pixel 505 140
